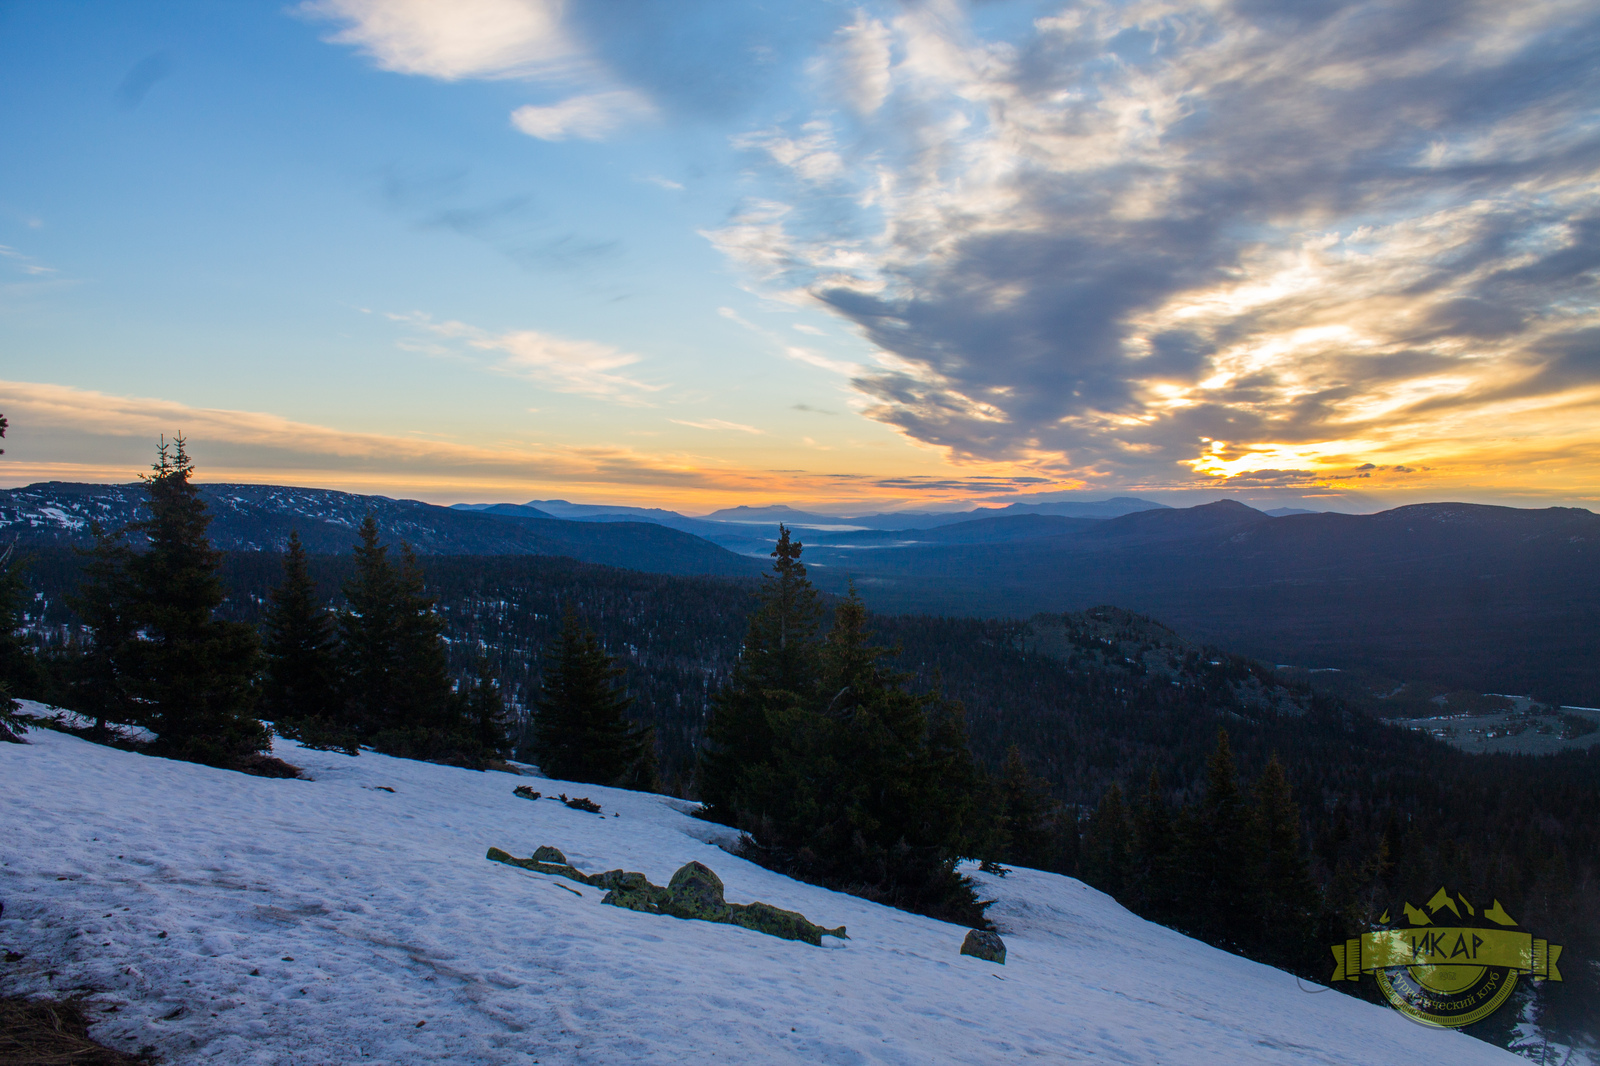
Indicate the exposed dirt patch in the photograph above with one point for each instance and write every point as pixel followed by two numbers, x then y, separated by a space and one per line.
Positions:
pixel 44 1032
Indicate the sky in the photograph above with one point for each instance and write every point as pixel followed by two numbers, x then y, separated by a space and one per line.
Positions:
pixel 842 256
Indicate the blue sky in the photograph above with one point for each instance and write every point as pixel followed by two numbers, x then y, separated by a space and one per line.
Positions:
pixel 834 255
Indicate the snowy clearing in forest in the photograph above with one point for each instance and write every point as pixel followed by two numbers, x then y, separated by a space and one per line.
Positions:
pixel 237 919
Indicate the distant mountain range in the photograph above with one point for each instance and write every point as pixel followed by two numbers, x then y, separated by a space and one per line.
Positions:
pixel 1490 598
pixel 1111 508
pixel 260 517
pixel 753 530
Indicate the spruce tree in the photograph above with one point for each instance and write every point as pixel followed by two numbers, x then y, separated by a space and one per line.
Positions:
pixel 191 671
pixel 1023 827
pixel 19 667
pixel 868 787
pixel 96 681
pixel 581 732
pixel 776 674
pixel 1222 856
pixel 10 608
pixel 300 665
pixel 1156 872
pixel 369 633
pixel 19 672
pixel 1107 859
pixel 485 714
pixel 421 690
pixel 1288 898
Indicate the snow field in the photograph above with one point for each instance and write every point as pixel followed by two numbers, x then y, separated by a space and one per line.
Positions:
pixel 320 921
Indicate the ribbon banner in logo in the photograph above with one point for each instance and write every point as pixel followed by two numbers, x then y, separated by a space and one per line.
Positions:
pixel 1390 948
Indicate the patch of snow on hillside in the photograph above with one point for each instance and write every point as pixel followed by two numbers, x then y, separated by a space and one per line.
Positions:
pixel 243 920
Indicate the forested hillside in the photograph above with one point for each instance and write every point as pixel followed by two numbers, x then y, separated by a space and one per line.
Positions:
pixel 1498 599
pixel 1091 700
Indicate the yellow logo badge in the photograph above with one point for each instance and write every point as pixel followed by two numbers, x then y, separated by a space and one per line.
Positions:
pixel 1447 975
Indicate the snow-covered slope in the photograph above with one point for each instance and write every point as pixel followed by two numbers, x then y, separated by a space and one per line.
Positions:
pixel 234 919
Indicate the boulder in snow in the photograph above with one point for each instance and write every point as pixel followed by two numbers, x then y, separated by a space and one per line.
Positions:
pixel 982 944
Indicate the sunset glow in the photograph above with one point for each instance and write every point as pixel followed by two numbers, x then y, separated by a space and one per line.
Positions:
pixel 867 257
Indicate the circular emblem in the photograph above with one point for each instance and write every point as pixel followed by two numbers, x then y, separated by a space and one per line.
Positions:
pixel 1446 995
pixel 1449 964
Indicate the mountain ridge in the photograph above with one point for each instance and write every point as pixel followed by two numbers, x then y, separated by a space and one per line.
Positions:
pixel 260 518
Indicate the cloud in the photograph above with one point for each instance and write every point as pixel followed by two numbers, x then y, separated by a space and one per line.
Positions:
pixel 32 268
pixel 526 40
pixel 588 117
pixel 63 433
pixel 860 64
pixel 1315 234
pixel 586 368
pixel 716 423
pixel 812 155
pixel 459 39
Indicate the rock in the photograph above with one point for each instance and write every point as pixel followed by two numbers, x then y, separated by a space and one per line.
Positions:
pixel 559 869
pixel 525 792
pixel 695 892
pixel 982 944
pixel 775 921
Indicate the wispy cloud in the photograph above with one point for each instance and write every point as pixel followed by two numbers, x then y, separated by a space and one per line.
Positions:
pixel 64 433
pixel 29 266
pixel 588 117
pixel 859 63
pixel 583 367
pixel 716 423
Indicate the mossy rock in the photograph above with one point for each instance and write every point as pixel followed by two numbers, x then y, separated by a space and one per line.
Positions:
pixel 559 869
pixel 695 892
pixel 775 921
pixel 647 898
pixel 982 944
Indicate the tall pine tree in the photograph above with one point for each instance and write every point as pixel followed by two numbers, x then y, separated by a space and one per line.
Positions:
pixel 1107 860
pixel 96 681
pixel 1221 856
pixel 420 693
pixel 191 671
pixel 1157 876
pixel 777 673
pixel 1289 902
pixel 10 607
pixel 580 730
pixel 837 773
pixel 1023 815
pixel 369 631
pixel 485 714
pixel 19 670
pixel 300 665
